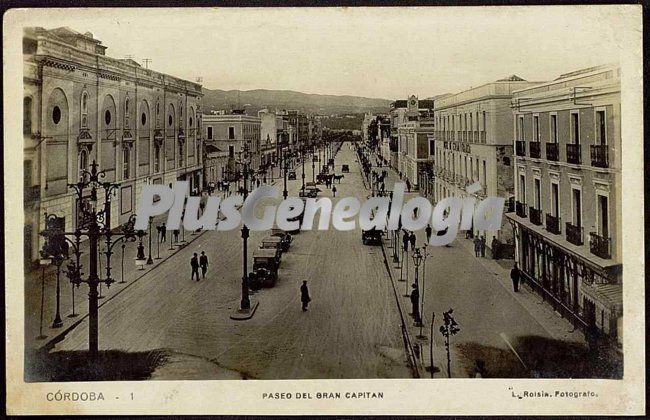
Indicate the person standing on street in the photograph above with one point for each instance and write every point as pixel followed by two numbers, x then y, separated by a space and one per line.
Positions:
pixel 203 262
pixel 408 185
pixel 428 232
pixel 194 263
pixel 334 191
pixel 477 246
pixel 415 303
pixel 163 233
pixel 483 246
pixel 495 245
pixel 412 241
pixel 405 240
pixel 304 295
pixel 514 276
pixel 176 233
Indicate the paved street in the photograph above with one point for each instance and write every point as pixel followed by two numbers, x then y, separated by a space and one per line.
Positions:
pixel 352 328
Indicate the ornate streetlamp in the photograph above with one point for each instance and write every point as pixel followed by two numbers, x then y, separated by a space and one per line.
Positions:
pixel 96 226
pixel 245 304
pixel 417 261
pixel 149 260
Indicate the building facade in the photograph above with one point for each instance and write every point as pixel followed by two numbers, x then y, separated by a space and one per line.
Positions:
pixel 141 127
pixel 567 216
pixel 415 139
pixel 229 133
pixel 473 144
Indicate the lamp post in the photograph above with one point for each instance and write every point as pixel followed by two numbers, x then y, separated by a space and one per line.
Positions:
pixel 44 262
pixel 302 156
pixel 417 261
pixel 159 228
pixel 245 303
pixel 96 226
pixel 149 260
pixel 313 165
pixel 285 193
pixel 122 265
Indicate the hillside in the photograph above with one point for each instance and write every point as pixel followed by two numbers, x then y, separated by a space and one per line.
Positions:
pixel 254 100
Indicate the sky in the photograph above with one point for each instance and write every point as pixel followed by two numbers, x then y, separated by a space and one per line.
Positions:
pixel 373 52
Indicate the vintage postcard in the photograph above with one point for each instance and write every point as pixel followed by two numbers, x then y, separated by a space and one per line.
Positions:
pixel 406 210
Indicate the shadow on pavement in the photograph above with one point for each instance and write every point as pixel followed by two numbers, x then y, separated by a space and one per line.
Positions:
pixel 110 365
pixel 544 358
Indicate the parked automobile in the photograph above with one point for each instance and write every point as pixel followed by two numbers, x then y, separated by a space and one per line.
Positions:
pixel 284 236
pixel 265 269
pixel 345 168
pixel 371 237
pixel 291 175
pixel 272 242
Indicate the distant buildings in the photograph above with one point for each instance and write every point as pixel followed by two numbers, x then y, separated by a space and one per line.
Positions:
pixel 567 218
pixel 79 106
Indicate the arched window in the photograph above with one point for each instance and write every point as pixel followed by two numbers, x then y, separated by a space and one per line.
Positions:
pixel 126 112
pixel 82 161
pixel 27 115
pixel 156 158
pixel 126 160
pixel 84 110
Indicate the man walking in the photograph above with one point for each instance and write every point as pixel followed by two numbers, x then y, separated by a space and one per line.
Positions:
pixel 203 262
pixel 483 246
pixel 408 185
pixel 304 295
pixel 334 191
pixel 477 246
pixel 176 233
pixel 194 262
pixel 415 303
pixel 514 276
pixel 163 233
pixel 428 232
pixel 412 241
pixel 405 240
pixel 495 245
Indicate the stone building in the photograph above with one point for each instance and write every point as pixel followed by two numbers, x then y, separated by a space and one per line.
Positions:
pixel 474 144
pixel 567 216
pixel 415 138
pixel 80 105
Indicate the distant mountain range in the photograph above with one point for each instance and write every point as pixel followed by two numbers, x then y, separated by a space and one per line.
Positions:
pixel 254 100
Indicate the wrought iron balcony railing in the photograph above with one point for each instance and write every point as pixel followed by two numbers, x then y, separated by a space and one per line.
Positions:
pixel 573 153
pixel 600 246
pixel 535 150
pixel 553 224
pixel 600 156
pixel 520 148
pixel 520 209
pixel 574 234
pixel 552 151
pixel 535 216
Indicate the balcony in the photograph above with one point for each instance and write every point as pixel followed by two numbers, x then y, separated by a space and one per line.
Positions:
pixel 552 152
pixel 535 216
pixel 520 148
pixel 553 224
pixel 535 149
pixel 600 156
pixel 520 209
pixel 573 154
pixel 574 234
pixel 600 246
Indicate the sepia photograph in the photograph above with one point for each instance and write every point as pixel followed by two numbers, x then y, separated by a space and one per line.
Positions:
pixel 256 196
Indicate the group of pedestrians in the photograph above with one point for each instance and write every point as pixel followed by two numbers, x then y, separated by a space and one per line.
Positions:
pixel 479 246
pixel 199 262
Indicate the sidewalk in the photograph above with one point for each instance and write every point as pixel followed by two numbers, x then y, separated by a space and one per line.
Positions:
pixel 40 291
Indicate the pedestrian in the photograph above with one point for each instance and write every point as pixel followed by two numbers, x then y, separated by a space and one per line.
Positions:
pixel 408 185
pixel 304 295
pixel 176 233
pixel 495 245
pixel 203 262
pixel 415 303
pixel 334 190
pixel 483 246
pixel 412 241
pixel 477 247
pixel 163 233
pixel 405 240
pixel 194 263
pixel 514 276
pixel 428 232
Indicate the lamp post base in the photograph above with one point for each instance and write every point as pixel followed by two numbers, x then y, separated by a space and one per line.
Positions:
pixel 245 314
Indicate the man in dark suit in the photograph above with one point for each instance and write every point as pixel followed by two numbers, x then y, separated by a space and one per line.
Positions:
pixel 203 262
pixel 304 295
pixel 194 262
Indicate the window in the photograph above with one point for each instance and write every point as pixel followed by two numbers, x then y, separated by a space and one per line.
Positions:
pixel 575 128
pixel 156 158
pixel 522 188
pixel 84 110
pixel 577 207
pixel 484 177
pixel 603 216
pixel 553 125
pixel 536 128
pixel 555 200
pixel 520 128
pixel 538 194
pixel 126 156
pixel 143 119
pixel 231 133
pixel 126 113
pixel 601 132
pixel 107 117
pixel 231 151
pixel 27 115
pixel 209 133
pixel 83 162
pixel 56 115
pixel 158 113
pixel 170 120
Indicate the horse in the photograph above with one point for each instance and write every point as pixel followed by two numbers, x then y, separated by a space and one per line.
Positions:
pixel 338 178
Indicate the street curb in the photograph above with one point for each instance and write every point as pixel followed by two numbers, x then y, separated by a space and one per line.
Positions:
pixel 244 317
pixel 49 344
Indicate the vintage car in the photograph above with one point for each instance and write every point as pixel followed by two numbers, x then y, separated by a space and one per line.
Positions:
pixel 309 192
pixel 285 236
pixel 272 242
pixel 345 168
pixel 371 237
pixel 291 175
pixel 265 269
